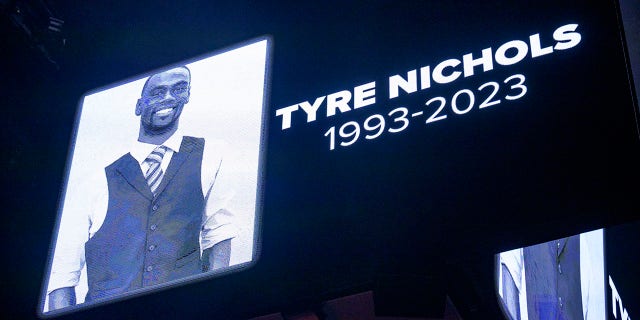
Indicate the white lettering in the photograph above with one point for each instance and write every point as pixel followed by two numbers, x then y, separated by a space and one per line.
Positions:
pixel 566 37
pixel 439 77
pixel 521 52
pixel 409 86
pixel 486 61
pixel 339 100
pixel 615 296
pixel 286 115
pixel 311 109
pixel 364 95
pixel 445 72
pixel 425 77
pixel 536 49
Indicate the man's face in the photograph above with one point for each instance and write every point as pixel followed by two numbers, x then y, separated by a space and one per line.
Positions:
pixel 163 98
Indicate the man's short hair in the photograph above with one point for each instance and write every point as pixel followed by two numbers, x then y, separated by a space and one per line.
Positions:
pixel 180 67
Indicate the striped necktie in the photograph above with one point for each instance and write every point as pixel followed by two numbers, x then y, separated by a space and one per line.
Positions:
pixel 154 173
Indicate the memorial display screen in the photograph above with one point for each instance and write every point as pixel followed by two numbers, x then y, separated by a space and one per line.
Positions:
pixel 164 180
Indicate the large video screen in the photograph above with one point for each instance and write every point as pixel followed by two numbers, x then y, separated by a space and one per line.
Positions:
pixel 584 276
pixel 164 181
pixel 559 279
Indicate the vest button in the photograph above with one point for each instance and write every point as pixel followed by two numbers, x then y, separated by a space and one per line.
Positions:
pixel 150 268
pixel 153 227
pixel 151 247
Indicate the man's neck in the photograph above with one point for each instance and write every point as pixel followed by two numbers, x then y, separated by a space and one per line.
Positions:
pixel 155 138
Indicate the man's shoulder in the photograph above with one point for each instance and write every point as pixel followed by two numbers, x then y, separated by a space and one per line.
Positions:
pixel 191 143
pixel 193 139
pixel 118 162
pixel 217 146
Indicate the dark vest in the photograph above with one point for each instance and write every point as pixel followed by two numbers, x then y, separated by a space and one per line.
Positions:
pixel 144 240
pixel 552 272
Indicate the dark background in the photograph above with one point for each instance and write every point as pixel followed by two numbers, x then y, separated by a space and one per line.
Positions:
pixel 415 215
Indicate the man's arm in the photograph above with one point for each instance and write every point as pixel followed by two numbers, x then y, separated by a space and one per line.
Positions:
pixel 217 256
pixel 75 228
pixel 218 226
pixel 61 298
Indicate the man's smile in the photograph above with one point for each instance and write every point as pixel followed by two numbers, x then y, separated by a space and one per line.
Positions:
pixel 164 111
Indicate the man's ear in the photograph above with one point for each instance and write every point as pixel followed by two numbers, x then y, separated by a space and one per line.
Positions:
pixel 139 107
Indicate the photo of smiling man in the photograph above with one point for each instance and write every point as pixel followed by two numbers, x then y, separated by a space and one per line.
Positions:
pixel 163 210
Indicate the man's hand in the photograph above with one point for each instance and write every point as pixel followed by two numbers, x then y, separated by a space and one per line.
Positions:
pixel 217 256
pixel 61 298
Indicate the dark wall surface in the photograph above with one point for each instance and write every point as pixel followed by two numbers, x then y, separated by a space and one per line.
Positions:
pixel 433 202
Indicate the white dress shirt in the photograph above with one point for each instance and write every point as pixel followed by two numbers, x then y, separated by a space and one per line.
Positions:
pixel 78 226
